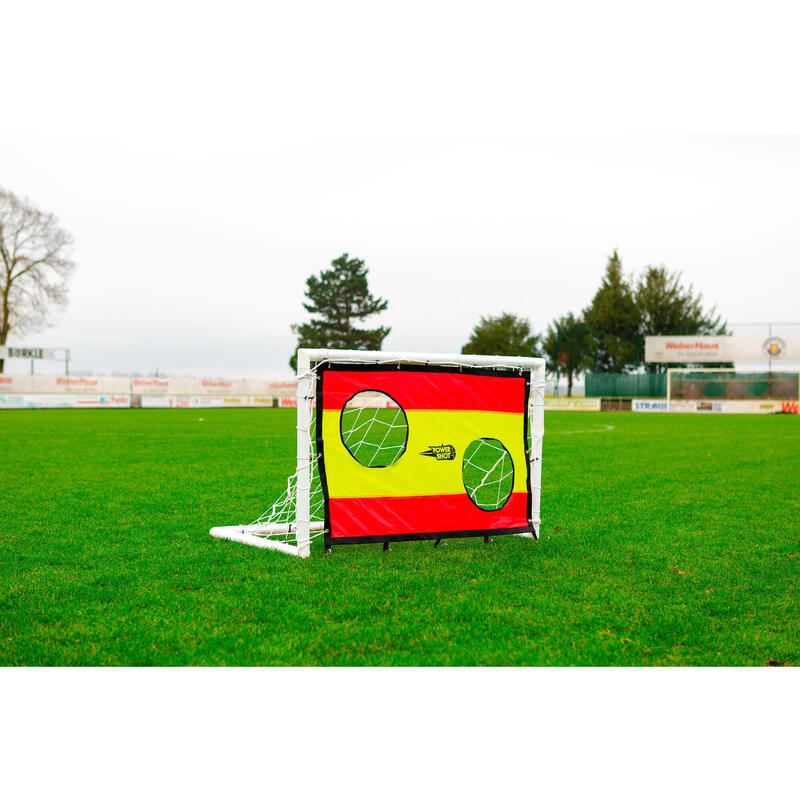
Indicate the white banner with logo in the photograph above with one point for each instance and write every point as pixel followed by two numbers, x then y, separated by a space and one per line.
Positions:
pixel 212 387
pixel 710 349
pixel 53 384
pixel 572 404
pixel 146 392
pixel 651 406
pixel 65 401
pixel 734 406
pixel 204 401
pixel 32 353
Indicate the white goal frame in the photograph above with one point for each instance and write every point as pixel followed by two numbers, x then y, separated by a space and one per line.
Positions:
pixel 308 360
pixel 676 370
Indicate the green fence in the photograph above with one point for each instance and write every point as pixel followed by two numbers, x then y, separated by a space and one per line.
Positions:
pixel 614 384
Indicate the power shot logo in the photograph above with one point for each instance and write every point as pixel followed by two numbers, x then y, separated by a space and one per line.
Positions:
pixel 441 452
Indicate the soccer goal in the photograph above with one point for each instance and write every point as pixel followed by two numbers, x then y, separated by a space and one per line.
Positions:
pixel 727 390
pixel 405 446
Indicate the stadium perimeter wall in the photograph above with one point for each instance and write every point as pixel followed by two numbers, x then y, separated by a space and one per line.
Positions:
pixel 572 403
pixel 62 391
pixel 734 406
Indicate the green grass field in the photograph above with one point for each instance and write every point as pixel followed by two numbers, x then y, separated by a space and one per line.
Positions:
pixel 666 539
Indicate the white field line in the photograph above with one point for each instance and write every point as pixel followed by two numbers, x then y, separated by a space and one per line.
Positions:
pixel 603 429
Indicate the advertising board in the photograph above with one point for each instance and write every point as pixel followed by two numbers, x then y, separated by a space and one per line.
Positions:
pixel 65 401
pixel 50 391
pixel 651 406
pixel 572 404
pixel 68 384
pixel 720 349
pixel 33 353
pixel 211 387
pixel 203 401
pixel 733 406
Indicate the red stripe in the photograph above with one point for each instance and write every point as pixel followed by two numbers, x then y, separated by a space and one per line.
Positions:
pixel 428 390
pixel 385 516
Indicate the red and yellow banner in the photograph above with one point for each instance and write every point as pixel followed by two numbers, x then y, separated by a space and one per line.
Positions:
pixel 421 496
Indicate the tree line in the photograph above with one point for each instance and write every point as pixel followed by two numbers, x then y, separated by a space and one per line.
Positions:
pixel 606 336
pixel 35 266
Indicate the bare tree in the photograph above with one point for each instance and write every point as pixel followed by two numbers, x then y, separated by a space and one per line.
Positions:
pixel 35 266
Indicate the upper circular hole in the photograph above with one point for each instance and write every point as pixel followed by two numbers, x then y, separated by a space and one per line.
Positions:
pixel 374 428
pixel 488 473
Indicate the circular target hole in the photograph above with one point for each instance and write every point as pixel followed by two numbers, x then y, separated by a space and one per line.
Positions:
pixel 374 429
pixel 488 473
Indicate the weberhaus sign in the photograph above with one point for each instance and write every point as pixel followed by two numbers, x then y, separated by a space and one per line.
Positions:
pixel 711 349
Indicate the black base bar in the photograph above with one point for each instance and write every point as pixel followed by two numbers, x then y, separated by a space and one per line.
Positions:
pixel 411 537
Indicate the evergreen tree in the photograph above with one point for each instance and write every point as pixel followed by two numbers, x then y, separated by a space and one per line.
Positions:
pixel 505 335
pixel 667 308
pixel 613 321
pixel 338 299
pixel 568 347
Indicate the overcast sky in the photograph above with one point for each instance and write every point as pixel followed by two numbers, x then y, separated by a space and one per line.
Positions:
pixel 479 158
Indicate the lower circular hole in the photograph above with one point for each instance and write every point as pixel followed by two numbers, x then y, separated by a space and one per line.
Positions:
pixel 488 473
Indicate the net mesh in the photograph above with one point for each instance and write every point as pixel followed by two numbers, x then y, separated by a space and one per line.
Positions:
pixel 283 512
pixel 488 474
pixel 707 385
pixel 374 429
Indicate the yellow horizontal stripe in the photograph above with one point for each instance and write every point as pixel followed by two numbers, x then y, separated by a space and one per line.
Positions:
pixel 414 474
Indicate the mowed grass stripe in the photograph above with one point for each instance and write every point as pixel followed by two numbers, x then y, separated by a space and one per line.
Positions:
pixel 665 540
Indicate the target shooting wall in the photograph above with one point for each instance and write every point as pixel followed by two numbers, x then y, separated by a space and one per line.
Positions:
pixel 445 455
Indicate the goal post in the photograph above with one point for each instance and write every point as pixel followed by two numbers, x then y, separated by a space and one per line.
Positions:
pixel 305 393
pixel 395 446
